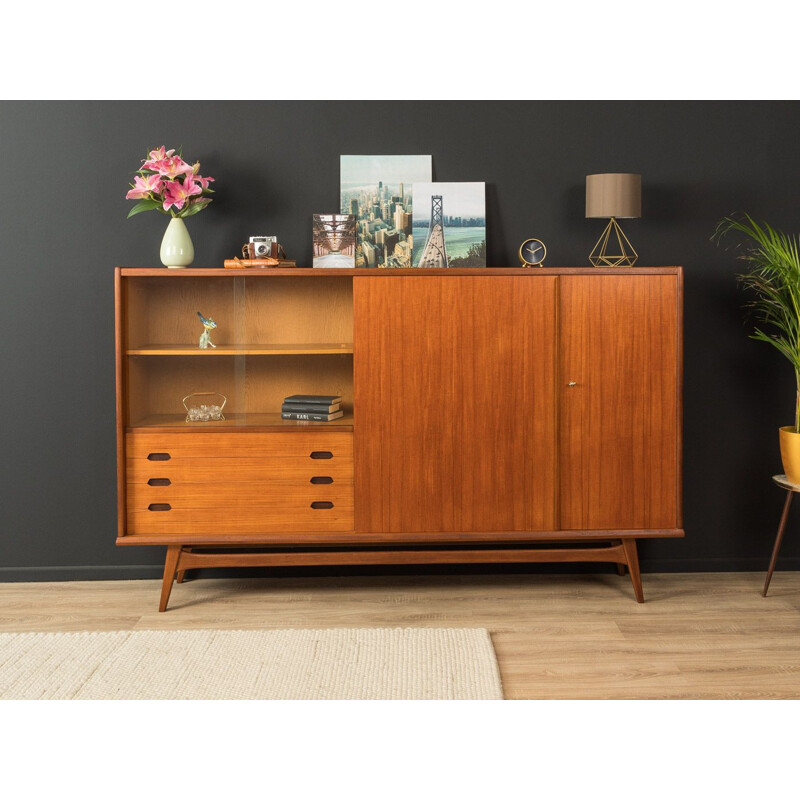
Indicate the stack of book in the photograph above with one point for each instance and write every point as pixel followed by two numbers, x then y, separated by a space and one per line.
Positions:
pixel 312 407
pixel 245 263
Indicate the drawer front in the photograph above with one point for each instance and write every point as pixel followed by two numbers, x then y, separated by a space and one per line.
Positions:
pixel 239 483
pixel 281 446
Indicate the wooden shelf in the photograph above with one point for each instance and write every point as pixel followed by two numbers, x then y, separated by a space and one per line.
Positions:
pixel 249 422
pixel 309 273
pixel 324 348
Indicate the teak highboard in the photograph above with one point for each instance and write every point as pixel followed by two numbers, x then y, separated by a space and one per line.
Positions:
pixel 491 415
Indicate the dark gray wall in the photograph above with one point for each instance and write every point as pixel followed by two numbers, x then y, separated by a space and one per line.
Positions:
pixel 65 170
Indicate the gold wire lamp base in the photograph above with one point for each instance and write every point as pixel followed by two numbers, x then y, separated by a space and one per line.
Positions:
pixel 600 257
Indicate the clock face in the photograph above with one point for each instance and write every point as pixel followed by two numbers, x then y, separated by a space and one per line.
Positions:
pixel 533 251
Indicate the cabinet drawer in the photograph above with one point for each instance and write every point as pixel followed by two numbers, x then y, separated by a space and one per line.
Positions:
pixel 207 483
pixel 280 446
pixel 290 515
pixel 259 471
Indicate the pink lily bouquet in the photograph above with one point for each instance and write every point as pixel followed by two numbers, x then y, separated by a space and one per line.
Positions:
pixel 166 183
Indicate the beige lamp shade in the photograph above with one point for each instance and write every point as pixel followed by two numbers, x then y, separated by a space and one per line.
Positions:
pixel 614 194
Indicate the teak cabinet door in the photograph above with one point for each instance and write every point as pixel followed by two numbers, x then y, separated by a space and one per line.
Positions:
pixel 620 422
pixel 455 403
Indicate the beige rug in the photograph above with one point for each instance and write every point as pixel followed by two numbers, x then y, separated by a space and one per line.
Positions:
pixel 338 664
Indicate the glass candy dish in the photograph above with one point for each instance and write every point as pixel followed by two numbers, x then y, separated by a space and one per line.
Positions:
pixel 204 406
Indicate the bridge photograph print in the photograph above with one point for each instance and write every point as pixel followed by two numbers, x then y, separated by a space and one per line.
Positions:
pixel 334 237
pixel 449 227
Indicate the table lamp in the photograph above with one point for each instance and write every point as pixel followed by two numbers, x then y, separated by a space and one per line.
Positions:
pixel 613 195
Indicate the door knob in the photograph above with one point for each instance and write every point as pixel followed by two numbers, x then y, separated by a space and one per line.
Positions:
pixel 572 383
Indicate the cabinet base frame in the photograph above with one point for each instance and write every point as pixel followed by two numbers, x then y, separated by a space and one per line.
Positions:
pixel 180 558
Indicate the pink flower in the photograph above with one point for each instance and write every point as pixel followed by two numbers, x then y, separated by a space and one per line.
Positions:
pixel 169 167
pixel 177 193
pixel 190 185
pixel 160 154
pixel 167 183
pixel 143 186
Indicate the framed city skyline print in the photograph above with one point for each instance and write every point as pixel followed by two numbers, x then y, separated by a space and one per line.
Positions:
pixel 449 228
pixel 377 191
pixel 334 240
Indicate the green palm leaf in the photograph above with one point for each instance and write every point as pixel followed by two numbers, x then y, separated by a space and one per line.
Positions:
pixel 773 283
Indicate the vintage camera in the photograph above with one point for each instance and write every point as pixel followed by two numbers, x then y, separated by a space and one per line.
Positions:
pixel 264 246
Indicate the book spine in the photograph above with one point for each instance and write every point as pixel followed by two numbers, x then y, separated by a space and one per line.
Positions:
pixel 309 408
pixel 303 415
pixel 301 400
pixel 243 263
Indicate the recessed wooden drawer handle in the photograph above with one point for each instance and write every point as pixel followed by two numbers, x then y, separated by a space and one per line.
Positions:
pixel 322 454
pixel 322 479
pixel 159 507
pixel 322 504
pixel 159 482
pixel 159 457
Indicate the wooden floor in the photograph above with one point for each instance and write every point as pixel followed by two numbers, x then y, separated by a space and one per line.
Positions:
pixel 699 635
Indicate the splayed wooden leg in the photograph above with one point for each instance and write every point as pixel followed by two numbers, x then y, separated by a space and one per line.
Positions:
pixel 778 540
pixel 632 556
pixel 170 569
pixel 620 567
pixel 182 572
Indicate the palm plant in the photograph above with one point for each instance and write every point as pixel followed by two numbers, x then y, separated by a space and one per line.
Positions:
pixel 774 280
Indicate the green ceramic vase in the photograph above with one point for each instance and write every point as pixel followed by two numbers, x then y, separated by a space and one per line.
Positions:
pixel 177 250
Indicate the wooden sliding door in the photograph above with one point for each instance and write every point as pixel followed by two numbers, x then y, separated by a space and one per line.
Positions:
pixel 455 403
pixel 620 412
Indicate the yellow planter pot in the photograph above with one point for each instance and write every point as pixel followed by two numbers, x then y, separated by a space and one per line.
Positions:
pixel 790 453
